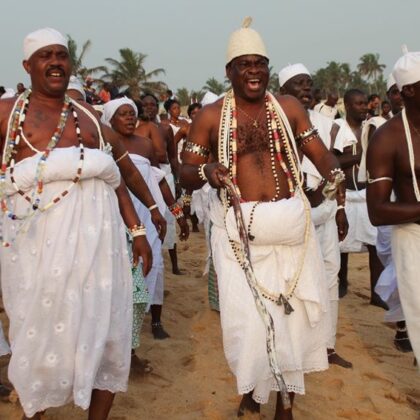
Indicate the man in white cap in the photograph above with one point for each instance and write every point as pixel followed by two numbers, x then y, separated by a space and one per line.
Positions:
pixel 277 287
pixel 392 164
pixel 347 144
pixel 66 277
pixel 329 220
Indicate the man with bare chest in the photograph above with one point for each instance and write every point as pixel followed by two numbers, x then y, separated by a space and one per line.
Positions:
pixel 278 288
pixel 393 162
pixel 361 235
pixel 66 277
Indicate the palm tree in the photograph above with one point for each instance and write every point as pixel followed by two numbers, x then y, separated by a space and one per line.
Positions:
pixel 370 68
pixel 129 72
pixel 213 85
pixel 183 96
pixel 273 82
pixel 78 69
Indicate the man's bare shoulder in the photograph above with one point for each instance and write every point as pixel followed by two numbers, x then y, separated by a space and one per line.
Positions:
pixel 210 114
pixel 390 135
pixel 288 102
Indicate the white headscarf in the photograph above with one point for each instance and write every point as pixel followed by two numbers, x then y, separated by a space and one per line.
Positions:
pixel 290 71
pixel 40 39
pixel 245 41
pixel 110 108
pixel 76 84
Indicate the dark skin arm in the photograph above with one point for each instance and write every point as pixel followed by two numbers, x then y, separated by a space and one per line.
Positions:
pixel 381 157
pixel 141 247
pixel 158 144
pixel 134 180
pixel 169 199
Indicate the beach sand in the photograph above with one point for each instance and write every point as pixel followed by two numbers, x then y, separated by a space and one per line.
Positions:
pixel 191 380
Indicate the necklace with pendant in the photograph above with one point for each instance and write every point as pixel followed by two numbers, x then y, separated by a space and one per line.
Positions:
pixel 255 122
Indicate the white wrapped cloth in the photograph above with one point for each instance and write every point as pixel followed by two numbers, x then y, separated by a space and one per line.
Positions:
pixel 361 232
pixel 170 237
pixel 152 176
pixel 323 218
pixel 67 285
pixel 275 253
pixel 387 287
pixel 345 136
pixel 323 125
pixel 405 253
pixel 374 122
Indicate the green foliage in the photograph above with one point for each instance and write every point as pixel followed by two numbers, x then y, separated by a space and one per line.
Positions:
pixel 129 73
pixel 213 85
pixel 338 77
pixel 78 68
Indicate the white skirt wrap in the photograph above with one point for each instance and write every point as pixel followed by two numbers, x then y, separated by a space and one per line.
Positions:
pixel 405 253
pixel 276 252
pixel 67 285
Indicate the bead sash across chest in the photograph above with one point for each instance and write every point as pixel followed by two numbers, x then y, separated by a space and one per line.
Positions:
pixel 14 135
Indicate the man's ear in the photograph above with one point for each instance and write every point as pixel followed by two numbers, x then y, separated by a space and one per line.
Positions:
pixel 26 66
pixel 282 91
pixel 228 70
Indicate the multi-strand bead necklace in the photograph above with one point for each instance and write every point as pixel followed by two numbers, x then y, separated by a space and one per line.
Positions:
pixel 15 133
pixel 277 139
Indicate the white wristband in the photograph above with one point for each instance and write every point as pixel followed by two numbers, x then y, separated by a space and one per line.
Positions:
pixel 152 207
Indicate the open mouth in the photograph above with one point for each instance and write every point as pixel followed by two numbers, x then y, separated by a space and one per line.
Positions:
pixel 306 98
pixel 254 84
pixel 56 74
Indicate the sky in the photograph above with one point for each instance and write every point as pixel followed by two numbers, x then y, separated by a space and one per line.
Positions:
pixel 189 38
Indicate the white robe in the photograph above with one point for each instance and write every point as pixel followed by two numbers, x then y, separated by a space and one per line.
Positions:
pixel 67 285
pixel 170 237
pixel 152 176
pixel 361 232
pixel 405 253
pixel 275 253
pixel 323 218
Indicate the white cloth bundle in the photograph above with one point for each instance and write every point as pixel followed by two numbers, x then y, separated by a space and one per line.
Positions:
pixel 405 253
pixel 345 136
pixel 67 285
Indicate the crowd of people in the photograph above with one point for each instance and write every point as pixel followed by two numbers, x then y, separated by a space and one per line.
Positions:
pixel 95 186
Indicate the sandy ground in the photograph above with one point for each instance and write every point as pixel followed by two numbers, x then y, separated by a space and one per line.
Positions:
pixel 191 380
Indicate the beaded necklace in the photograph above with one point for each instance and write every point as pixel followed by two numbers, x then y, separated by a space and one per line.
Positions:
pixel 14 135
pixel 277 138
pixel 274 144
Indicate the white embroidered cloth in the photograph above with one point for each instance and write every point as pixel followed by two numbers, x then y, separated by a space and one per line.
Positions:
pixel 67 285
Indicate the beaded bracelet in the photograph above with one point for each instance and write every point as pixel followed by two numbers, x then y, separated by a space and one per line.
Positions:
pixel 186 199
pixel 201 172
pixel 308 139
pixel 137 230
pixel 176 210
pixel 152 207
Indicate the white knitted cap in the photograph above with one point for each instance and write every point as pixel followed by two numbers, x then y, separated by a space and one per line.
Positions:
pixel 290 71
pixel 245 41
pixel 40 39
pixel 390 82
pixel 407 68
